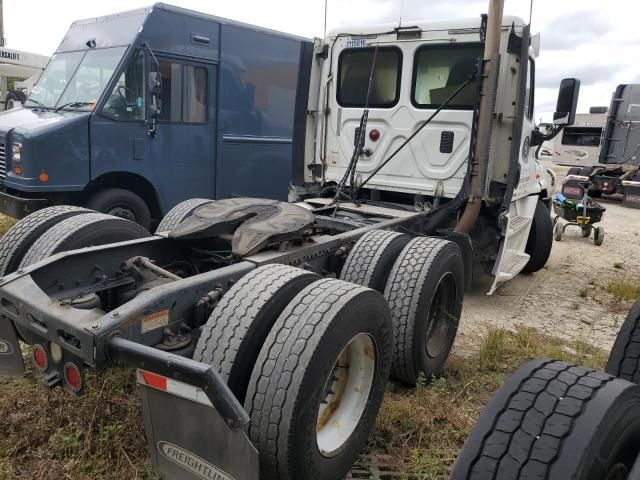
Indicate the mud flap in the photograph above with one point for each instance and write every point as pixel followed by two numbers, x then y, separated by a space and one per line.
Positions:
pixel 11 362
pixel 187 438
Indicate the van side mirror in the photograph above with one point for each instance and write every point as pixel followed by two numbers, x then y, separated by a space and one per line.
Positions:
pixel 154 84
pixel 567 105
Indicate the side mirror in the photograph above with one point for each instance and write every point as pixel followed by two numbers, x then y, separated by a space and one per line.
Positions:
pixel 567 105
pixel 154 84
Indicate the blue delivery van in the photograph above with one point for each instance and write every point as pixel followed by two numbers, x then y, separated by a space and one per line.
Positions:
pixel 140 110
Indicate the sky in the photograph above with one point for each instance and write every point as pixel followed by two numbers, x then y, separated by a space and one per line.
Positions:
pixel 593 40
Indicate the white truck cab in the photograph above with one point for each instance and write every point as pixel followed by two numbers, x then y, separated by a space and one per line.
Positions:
pixel 401 76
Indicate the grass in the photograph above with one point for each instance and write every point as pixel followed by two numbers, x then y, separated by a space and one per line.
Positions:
pixel 5 224
pixel 623 289
pixel 423 429
pixel 51 435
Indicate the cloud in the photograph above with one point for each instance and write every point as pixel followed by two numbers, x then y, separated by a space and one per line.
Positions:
pixel 571 31
pixel 587 74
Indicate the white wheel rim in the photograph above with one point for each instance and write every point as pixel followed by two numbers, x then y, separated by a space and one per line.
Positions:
pixel 346 394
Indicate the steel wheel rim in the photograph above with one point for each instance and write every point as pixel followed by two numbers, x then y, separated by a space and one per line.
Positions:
pixel 346 394
pixel 439 317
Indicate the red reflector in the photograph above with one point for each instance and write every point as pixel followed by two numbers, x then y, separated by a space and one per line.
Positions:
pixel 40 357
pixel 72 376
pixel 374 135
pixel 155 381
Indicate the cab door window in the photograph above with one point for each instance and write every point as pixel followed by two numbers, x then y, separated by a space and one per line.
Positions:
pixel 184 92
pixel 128 98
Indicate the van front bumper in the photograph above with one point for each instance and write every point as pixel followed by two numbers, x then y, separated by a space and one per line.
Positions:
pixel 19 207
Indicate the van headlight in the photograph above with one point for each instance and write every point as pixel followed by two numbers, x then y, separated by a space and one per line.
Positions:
pixel 16 152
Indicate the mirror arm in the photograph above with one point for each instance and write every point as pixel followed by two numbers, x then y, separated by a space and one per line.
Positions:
pixel 153 123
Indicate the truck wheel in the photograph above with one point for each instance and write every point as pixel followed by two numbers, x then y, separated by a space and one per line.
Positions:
pixel 556 421
pixel 624 359
pixel 586 231
pixel 14 99
pixel 319 381
pixel 19 238
pixel 558 231
pixel 598 238
pixel 540 239
pixel 425 292
pixel 179 213
pixel 238 326
pixel 370 260
pixel 86 230
pixel 122 203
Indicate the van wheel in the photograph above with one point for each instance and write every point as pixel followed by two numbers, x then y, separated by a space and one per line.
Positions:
pixel 238 326
pixel 319 381
pixel 624 359
pixel 555 420
pixel 370 260
pixel 122 203
pixel 79 231
pixel 178 213
pixel 540 239
pixel 19 238
pixel 425 292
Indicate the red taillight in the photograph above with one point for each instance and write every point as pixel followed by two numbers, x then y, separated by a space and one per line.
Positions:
pixel 39 356
pixel 155 381
pixel 72 377
pixel 374 135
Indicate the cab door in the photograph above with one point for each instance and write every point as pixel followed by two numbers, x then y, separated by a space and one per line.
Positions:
pixel 512 256
pixel 183 151
pixel 179 160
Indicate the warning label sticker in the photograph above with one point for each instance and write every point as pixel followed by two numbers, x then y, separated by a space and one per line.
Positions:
pixel 154 321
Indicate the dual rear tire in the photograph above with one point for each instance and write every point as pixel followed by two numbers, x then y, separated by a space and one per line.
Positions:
pixel 423 282
pixel 310 359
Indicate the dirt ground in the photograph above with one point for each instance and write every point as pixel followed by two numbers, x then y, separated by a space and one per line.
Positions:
pixel 568 297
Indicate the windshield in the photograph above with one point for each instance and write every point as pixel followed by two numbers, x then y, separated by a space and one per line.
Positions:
pixel 75 79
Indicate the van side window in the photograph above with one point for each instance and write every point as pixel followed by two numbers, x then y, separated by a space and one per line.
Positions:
pixel 184 93
pixel 127 99
pixel 354 71
pixel 439 70
pixel 194 105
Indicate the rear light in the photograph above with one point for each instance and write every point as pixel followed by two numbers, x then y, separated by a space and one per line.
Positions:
pixel 73 377
pixel 40 359
pixel 374 135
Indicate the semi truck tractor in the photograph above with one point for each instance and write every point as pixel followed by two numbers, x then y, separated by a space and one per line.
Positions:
pixel 140 110
pixel 606 149
pixel 269 329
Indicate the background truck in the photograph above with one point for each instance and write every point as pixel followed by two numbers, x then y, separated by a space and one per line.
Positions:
pixel 579 144
pixel 616 170
pixel 19 71
pixel 140 110
pixel 269 329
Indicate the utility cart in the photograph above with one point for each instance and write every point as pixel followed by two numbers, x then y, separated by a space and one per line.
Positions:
pixel 584 213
